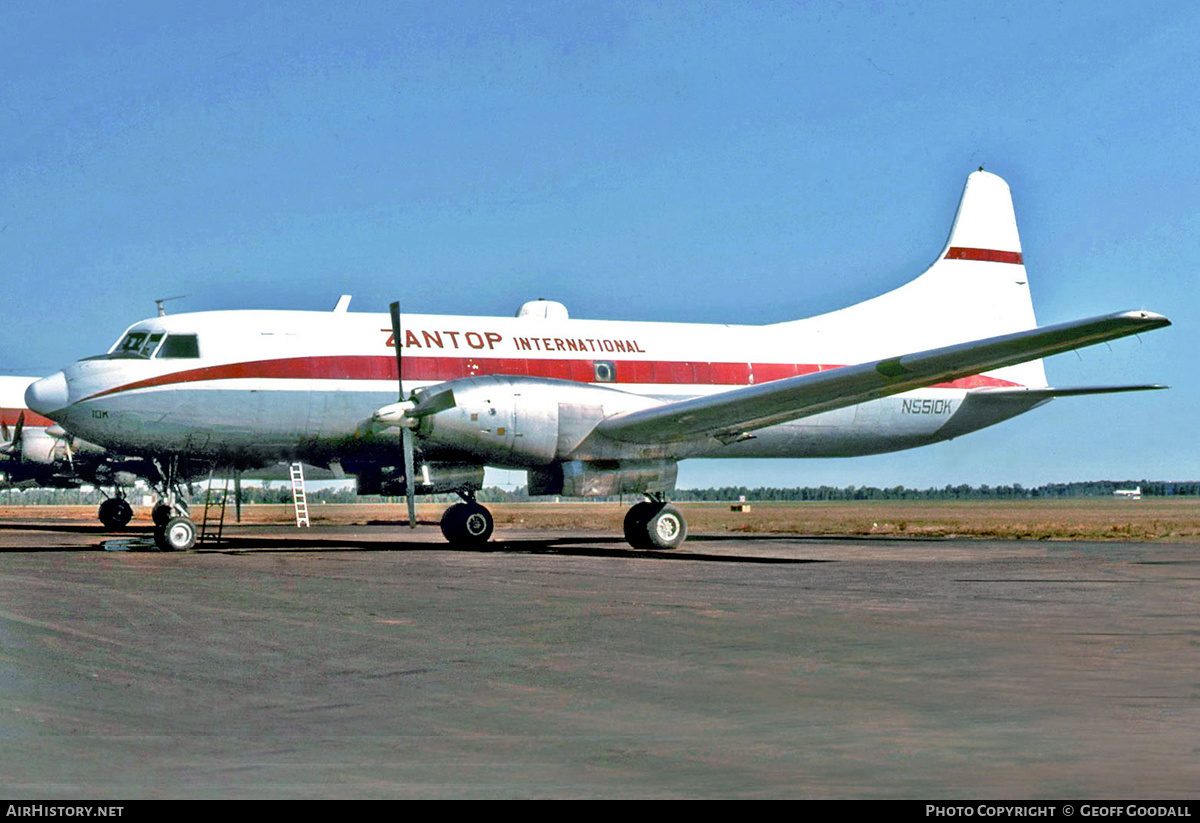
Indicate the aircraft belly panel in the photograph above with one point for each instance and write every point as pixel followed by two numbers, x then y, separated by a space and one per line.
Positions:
pixel 207 420
pixel 879 426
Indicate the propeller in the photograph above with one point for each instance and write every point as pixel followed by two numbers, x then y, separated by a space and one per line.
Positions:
pixel 406 422
pixel 12 445
pixel 63 440
pixel 406 414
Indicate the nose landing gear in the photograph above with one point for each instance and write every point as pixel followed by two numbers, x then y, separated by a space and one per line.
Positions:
pixel 174 531
pixel 178 535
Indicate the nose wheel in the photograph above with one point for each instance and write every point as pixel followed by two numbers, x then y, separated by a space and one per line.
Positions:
pixel 178 535
pixel 161 514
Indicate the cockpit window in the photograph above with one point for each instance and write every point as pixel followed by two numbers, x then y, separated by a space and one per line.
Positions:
pixel 138 344
pixel 132 343
pixel 180 345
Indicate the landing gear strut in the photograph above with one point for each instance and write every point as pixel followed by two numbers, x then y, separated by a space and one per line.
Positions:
pixel 467 524
pixel 174 531
pixel 655 524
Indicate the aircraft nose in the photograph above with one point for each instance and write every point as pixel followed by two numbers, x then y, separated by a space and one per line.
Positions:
pixel 48 395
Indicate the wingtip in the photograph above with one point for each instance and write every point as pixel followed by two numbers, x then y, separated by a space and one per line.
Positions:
pixel 1150 318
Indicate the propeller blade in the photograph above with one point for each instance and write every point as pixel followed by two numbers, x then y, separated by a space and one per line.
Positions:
pixel 406 435
pixel 395 310
pixel 428 403
pixel 12 440
pixel 410 481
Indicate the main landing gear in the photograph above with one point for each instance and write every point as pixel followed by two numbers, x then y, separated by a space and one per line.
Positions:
pixel 115 512
pixel 655 524
pixel 467 523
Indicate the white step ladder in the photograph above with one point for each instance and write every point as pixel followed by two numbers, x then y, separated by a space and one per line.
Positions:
pixel 299 497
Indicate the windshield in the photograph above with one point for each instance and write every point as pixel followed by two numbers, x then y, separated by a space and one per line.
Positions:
pixel 137 344
pixel 146 344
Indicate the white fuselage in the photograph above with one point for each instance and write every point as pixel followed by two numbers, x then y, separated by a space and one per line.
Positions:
pixel 256 386
pixel 260 386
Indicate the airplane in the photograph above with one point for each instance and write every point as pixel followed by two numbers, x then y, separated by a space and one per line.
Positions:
pixel 416 404
pixel 35 450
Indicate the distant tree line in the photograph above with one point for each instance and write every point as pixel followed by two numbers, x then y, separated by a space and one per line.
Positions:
pixel 1089 488
pixel 281 493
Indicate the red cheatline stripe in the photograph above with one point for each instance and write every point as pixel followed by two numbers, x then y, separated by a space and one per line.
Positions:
pixel 373 367
pixel 988 255
pixel 10 416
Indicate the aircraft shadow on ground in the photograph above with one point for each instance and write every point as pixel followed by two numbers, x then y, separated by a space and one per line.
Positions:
pixel 613 547
pixel 139 538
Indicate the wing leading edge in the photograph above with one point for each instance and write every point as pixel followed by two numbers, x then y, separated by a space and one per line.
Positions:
pixel 730 415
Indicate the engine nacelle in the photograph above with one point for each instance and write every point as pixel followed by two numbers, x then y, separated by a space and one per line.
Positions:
pixel 431 478
pixel 522 421
pixel 603 478
pixel 39 447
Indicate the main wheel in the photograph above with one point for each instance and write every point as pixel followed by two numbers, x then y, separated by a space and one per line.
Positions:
pixel 635 523
pixel 115 513
pixel 178 535
pixel 655 526
pixel 467 524
pixel 667 529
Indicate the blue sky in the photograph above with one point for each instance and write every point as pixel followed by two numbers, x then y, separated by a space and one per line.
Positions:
pixel 733 162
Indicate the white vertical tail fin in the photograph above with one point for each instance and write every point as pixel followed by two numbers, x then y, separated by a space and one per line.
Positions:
pixel 976 288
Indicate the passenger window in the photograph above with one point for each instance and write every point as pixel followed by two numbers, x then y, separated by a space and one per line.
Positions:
pixel 180 345
pixel 605 371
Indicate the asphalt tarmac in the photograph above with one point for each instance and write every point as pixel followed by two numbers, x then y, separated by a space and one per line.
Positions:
pixel 375 662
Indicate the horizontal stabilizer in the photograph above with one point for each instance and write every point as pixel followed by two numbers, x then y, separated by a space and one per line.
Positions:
pixel 1073 391
pixel 730 415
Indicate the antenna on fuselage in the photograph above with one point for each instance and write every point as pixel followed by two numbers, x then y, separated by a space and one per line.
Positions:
pixel 159 303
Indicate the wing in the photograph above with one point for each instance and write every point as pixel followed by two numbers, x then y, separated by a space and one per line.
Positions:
pixel 730 415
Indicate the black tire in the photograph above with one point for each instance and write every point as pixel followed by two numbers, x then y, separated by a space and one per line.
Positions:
pixel 655 526
pixel 467 524
pixel 635 523
pixel 666 529
pixel 178 535
pixel 115 513
pixel 160 514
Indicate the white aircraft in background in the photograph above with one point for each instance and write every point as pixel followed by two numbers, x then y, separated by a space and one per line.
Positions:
pixel 586 407
pixel 36 451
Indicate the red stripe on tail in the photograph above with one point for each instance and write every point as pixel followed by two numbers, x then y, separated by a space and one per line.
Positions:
pixel 987 255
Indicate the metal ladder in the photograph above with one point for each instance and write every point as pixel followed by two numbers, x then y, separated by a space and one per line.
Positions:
pixel 214 509
pixel 299 497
